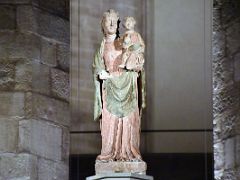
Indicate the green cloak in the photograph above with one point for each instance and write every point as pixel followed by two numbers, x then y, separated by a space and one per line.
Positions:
pixel 121 91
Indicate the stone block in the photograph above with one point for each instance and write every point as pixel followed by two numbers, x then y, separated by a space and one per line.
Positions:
pixel 216 137
pixel 219 158
pixel 18 45
pixel 229 122
pixel 216 19
pixel 15 1
pixel 230 174
pixel 65 145
pixel 237 67
pixel 40 138
pixel 233 38
pixel 223 99
pixel 12 104
pixel 8 134
pixel 217 128
pixel 63 57
pixel 48 53
pixel 229 151
pixel 49 109
pixel 60 86
pixel 120 167
pixel 223 72
pixel 52 170
pixel 7 75
pixel 7 17
pixel 237 125
pixel 58 7
pixel 18 166
pixel 26 18
pixel 120 176
pixel 37 21
pixel 218 174
pixel 230 11
pixel 32 76
pixel 219 46
pixel 23 76
pixel 40 78
pixel 238 150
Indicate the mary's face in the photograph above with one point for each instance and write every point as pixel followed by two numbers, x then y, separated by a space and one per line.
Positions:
pixel 110 25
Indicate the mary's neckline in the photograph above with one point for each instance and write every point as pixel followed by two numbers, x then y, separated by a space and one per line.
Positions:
pixel 110 38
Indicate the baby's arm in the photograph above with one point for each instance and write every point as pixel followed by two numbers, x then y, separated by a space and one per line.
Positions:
pixel 104 75
pixel 135 47
pixel 138 46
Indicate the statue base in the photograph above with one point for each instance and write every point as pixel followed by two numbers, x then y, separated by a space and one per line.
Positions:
pixel 120 167
pixel 120 176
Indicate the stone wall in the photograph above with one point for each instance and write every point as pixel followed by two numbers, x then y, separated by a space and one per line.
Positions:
pixel 34 89
pixel 226 88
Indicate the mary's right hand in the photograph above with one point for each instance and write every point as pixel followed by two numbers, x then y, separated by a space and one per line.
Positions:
pixel 104 75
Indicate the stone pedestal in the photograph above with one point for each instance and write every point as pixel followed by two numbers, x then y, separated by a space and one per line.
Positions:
pixel 120 176
pixel 120 167
pixel 120 170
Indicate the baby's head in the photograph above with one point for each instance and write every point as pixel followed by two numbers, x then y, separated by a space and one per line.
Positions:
pixel 129 23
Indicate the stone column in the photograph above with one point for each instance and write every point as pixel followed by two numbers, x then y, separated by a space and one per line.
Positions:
pixel 34 89
pixel 226 79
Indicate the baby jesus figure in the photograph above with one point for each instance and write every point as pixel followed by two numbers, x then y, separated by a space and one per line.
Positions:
pixel 133 47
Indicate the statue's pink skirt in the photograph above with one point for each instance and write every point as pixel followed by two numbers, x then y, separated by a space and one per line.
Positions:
pixel 120 136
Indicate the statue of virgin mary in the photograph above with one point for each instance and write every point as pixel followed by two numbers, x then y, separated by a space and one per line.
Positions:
pixel 119 96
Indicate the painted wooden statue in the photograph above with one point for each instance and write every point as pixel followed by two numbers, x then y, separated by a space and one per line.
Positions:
pixel 119 80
